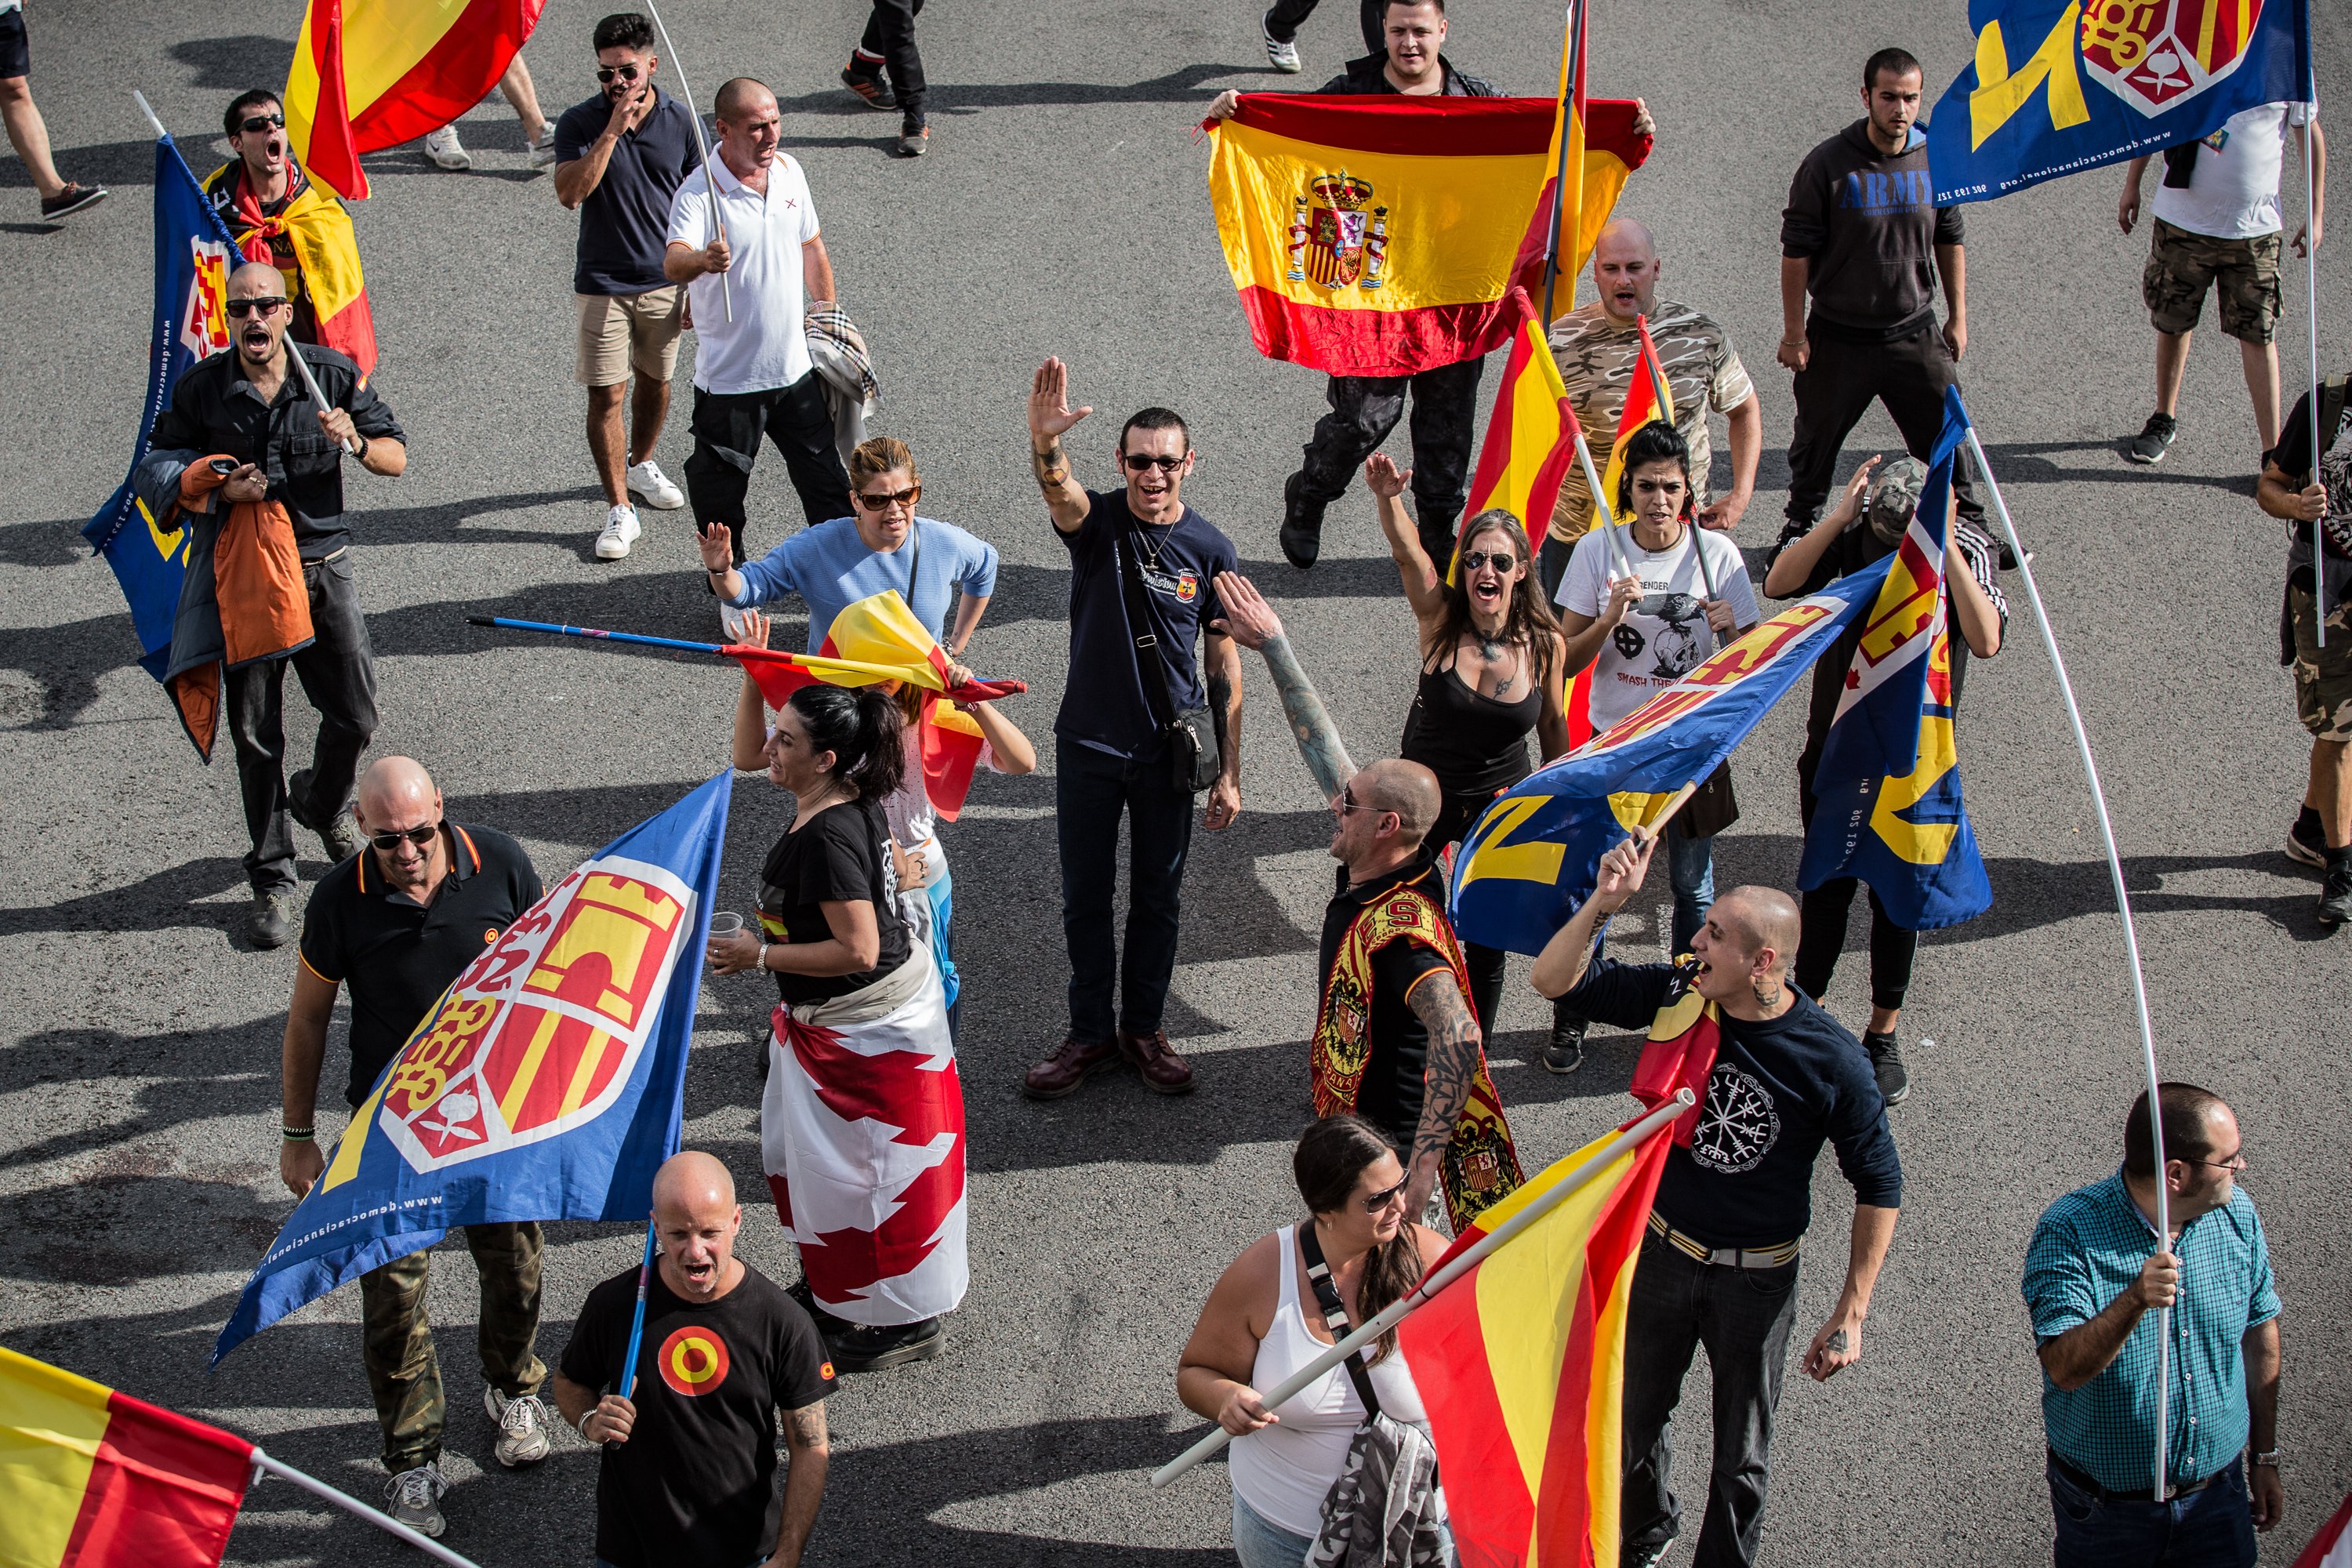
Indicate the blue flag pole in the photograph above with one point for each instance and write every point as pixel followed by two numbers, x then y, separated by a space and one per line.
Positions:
pixel 637 1322
pixel 563 631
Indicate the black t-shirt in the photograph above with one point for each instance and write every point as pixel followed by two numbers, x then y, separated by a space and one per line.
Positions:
pixel 695 1486
pixel 837 858
pixel 625 221
pixel 1396 1069
pixel 2293 456
pixel 1104 704
pixel 1781 1088
pixel 396 955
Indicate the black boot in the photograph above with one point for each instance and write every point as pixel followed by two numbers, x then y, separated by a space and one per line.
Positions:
pixel 1302 525
pixel 865 1349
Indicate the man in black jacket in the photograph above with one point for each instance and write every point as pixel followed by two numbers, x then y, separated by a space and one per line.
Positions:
pixel 1365 408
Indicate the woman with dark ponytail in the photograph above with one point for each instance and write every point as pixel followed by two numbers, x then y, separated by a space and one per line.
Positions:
pixel 1300 1475
pixel 856 1021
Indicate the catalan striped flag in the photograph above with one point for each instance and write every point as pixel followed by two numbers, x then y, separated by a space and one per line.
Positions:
pixel 1521 1365
pixel 1648 399
pixel 371 74
pixel 93 1479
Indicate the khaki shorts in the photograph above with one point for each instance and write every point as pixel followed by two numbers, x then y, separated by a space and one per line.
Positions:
pixel 2323 677
pixel 2242 273
pixel 619 332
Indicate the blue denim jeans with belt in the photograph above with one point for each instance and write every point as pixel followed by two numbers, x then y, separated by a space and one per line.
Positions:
pixel 2213 1527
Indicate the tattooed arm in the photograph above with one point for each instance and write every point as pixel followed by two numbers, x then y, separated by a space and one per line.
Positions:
pixel 1454 1041
pixel 1050 418
pixel 810 1451
pixel 1250 621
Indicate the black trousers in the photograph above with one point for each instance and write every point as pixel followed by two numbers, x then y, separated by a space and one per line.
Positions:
pixel 1366 408
pixel 338 675
pixel 1743 1317
pixel 1836 388
pixel 1283 21
pixel 1092 790
pixel 890 38
pixel 727 430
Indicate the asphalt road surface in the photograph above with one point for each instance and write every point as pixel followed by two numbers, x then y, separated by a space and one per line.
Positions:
pixel 1064 210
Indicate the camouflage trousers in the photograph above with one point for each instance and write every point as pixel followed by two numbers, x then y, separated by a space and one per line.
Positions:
pixel 2323 675
pixel 403 1373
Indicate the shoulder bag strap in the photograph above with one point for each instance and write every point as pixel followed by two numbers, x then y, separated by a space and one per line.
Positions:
pixel 1335 1314
pixel 1159 695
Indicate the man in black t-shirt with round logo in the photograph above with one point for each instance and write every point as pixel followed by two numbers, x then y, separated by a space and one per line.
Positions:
pixel 689 1474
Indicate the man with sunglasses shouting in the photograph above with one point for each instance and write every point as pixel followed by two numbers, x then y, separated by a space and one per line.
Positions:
pixel 397 922
pixel 279 216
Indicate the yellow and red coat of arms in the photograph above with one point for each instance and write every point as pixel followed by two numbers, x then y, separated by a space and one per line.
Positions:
pixel 1339 239
pixel 2154 54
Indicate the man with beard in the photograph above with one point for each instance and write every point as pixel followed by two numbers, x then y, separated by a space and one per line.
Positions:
pixel 280 218
pixel 248 409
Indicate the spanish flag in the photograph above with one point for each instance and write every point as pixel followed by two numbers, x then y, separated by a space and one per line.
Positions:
pixel 1382 236
pixel 93 1479
pixel 1521 1367
pixel 1647 400
pixel 326 253
pixel 371 74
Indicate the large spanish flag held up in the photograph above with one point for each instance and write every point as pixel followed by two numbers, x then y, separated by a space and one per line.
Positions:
pixel 1382 235
pixel 93 1479
pixel 1522 1369
pixel 371 74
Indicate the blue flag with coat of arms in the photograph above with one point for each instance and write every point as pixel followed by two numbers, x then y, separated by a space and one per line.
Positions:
pixel 194 256
pixel 547 1083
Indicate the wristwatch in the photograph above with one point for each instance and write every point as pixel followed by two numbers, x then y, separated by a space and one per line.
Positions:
pixel 2270 1459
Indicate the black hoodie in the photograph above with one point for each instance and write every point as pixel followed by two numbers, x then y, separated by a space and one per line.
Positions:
pixel 1868 225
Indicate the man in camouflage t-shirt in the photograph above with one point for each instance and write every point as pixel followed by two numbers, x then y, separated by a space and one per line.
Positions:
pixel 1598 346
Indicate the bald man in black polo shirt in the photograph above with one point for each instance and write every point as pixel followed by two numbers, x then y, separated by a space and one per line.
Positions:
pixel 397 922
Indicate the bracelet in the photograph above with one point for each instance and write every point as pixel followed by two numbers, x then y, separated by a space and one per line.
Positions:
pixel 582 1428
pixel 1792 343
pixel 761 961
pixel 298 1134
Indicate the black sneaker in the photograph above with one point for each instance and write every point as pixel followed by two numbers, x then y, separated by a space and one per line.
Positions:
pixel 2307 841
pixel 1564 1052
pixel 71 200
pixel 272 918
pixel 867 86
pixel 1886 1061
pixel 2335 893
pixel 1302 525
pixel 865 1349
pixel 2153 439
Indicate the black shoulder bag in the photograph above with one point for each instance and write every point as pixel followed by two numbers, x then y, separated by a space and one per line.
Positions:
pixel 1335 1315
pixel 1191 732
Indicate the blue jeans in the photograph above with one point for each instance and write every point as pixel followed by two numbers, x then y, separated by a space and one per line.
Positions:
pixel 1091 790
pixel 1690 866
pixel 1260 1544
pixel 2208 1529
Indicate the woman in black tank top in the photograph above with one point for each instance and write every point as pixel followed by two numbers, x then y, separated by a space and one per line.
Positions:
pixel 1490 672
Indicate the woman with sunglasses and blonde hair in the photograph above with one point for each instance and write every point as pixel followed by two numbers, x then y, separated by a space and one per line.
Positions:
pixel 935 566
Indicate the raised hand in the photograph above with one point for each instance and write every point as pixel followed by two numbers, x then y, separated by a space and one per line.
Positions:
pixel 1050 414
pixel 1383 478
pixel 1249 619
pixel 1623 868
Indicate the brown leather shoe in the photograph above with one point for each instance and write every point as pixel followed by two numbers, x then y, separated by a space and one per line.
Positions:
pixel 1067 1068
pixel 1164 1071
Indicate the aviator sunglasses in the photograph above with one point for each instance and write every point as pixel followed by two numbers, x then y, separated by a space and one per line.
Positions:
pixel 419 837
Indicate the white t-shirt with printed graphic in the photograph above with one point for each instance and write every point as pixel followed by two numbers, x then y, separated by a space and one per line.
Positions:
pixel 1665 635
pixel 2233 190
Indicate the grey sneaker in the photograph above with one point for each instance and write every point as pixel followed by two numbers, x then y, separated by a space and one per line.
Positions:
pixel 272 920
pixel 2153 439
pixel 542 151
pixel 412 1497
pixel 1282 54
pixel 914 139
pixel 1886 1065
pixel 522 1426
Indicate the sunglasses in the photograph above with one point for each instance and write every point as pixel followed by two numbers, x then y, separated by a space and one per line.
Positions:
pixel 1375 1202
pixel 1348 803
pixel 886 500
pixel 263 122
pixel 1142 463
pixel 626 73
pixel 259 306
pixel 419 837
pixel 1502 560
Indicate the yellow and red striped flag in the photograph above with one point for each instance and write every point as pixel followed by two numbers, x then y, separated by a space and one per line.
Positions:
pixel 1521 1367
pixel 1603 151
pixel 93 1479
pixel 371 74
pixel 1646 399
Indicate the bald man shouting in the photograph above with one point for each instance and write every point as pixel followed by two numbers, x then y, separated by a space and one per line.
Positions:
pixel 1720 1266
pixel 689 1474
pixel 396 923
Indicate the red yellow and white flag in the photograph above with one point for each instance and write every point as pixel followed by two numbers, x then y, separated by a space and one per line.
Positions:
pixel 93 1479
pixel 1647 400
pixel 1521 1367
pixel 371 74
pixel 2332 1547
pixel 1603 151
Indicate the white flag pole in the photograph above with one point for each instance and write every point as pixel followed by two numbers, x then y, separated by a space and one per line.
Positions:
pixel 718 218
pixel 1420 1295
pixel 2311 296
pixel 1604 518
pixel 344 1500
pixel 141 100
pixel 2131 937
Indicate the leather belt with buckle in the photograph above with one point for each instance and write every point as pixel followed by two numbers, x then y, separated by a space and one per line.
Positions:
pixel 1774 1256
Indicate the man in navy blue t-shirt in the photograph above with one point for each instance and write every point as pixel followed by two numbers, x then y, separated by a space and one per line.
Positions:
pixel 1720 1266
pixel 1140 545
pixel 620 157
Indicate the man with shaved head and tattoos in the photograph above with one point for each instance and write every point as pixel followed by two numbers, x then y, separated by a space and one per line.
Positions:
pixel 1395 1039
pixel 689 1474
pixel 396 923
pixel 1720 1266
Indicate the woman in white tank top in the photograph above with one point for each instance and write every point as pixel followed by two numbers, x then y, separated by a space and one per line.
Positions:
pixel 1261 1324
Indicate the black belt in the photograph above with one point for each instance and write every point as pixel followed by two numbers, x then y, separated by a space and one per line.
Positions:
pixel 2104 1494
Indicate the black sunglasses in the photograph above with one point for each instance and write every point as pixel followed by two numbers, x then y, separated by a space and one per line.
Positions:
pixel 1375 1202
pixel 1141 461
pixel 262 122
pixel 420 836
pixel 260 305
pixel 886 500
pixel 1502 559
pixel 626 73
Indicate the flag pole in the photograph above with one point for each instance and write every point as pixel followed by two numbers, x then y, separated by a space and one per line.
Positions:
pixel 2131 937
pixel 344 1500
pixel 1420 1295
pixel 637 1323
pixel 718 218
pixel 1604 518
pixel 1664 405
pixel 1569 82
pixel 141 100
pixel 2311 293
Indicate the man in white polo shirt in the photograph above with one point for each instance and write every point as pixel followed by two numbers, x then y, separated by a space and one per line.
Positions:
pixel 752 375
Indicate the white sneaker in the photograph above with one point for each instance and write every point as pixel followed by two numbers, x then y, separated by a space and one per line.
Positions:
pixel 736 624
pixel 651 486
pixel 1283 57
pixel 620 530
pixel 522 1428
pixel 542 151
pixel 412 1497
pixel 444 148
